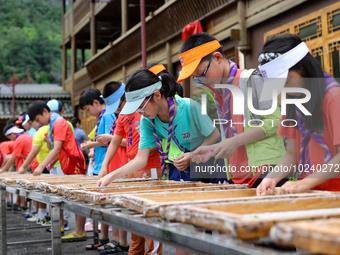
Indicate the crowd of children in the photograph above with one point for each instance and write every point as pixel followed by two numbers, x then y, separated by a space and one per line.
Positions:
pixel 145 128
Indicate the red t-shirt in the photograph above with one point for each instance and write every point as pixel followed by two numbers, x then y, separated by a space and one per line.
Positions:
pixel 119 160
pixel 6 148
pixel 21 148
pixel 71 158
pixel 331 122
pixel 127 126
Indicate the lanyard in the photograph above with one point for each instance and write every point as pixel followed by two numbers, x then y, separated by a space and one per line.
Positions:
pixel 164 155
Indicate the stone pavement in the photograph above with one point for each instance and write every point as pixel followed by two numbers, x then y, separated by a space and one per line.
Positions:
pixel 16 219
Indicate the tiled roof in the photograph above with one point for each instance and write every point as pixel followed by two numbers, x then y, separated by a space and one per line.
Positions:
pixel 25 94
pixel 33 91
pixel 22 106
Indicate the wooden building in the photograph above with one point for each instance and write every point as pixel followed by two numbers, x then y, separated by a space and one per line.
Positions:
pixel 103 37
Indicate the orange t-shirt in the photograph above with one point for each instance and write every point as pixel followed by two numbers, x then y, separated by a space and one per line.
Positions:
pixel 127 126
pixel 71 158
pixel 331 121
pixel 21 148
pixel 6 148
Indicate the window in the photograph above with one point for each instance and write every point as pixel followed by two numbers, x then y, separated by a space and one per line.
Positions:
pixel 321 32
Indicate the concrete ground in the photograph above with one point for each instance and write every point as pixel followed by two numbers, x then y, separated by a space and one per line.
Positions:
pixel 15 220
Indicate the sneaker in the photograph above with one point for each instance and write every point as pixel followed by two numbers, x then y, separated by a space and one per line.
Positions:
pixel 66 226
pixel 74 236
pixel 26 216
pixel 39 221
pixel 117 249
pixel 23 209
pixel 46 222
pixel 16 208
pixel 61 229
pixel 34 218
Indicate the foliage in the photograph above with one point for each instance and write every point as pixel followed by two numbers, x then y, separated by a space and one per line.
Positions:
pixel 31 34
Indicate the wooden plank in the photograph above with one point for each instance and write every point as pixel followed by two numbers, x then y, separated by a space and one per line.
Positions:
pixel 253 219
pixel 150 203
pixel 108 195
pixel 319 236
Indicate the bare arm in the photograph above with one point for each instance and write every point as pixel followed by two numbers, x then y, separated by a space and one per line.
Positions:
pixel 51 156
pixel 8 164
pixel 33 153
pixel 110 153
pixel 268 184
pixel 137 163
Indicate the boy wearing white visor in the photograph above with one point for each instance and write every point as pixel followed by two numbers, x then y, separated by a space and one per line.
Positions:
pixel 313 139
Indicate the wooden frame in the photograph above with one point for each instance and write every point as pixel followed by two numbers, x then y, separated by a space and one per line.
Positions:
pixel 253 219
pixel 109 195
pixel 320 236
pixel 149 204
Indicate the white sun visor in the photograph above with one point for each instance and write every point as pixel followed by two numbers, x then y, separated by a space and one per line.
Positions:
pixel 276 71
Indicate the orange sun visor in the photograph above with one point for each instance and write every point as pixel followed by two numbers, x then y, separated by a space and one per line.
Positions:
pixel 157 69
pixel 190 59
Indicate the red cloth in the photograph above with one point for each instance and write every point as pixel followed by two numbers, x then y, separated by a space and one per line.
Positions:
pixel 119 160
pixel 191 29
pixel 331 121
pixel 71 158
pixel 21 148
pixel 127 126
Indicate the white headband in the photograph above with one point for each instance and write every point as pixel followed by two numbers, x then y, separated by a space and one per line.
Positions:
pixel 279 68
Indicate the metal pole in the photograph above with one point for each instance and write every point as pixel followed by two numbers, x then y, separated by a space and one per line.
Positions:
pixel 3 221
pixel 143 32
pixel 13 95
pixel 55 234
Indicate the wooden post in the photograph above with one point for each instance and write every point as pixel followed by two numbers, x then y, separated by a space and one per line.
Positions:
pixel 124 73
pixel 64 49
pixel 64 64
pixel 73 63
pixel 242 47
pixel 168 57
pixel 125 16
pixel 93 31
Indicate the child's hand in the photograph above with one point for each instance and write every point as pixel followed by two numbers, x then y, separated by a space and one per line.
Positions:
pixel 21 170
pixel 266 187
pixel 46 138
pixel 202 154
pixel 102 172
pixel 293 187
pixel 182 161
pixel 224 149
pixel 38 170
pixel 103 182
pixel 91 153
pixel 86 145
pixel 104 138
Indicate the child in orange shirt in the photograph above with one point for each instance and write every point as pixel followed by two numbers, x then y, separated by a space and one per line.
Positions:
pixel 64 147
